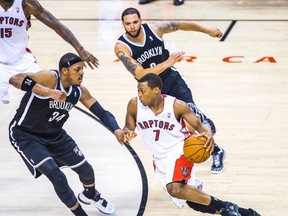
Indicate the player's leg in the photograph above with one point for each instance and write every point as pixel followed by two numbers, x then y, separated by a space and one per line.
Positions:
pixel 181 183
pixel 51 170
pixel 75 159
pixel 34 153
pixel 91 196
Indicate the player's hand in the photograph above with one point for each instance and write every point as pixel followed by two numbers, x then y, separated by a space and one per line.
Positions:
pixel 88 59
pixel 124 136
pixel 174 57
pixel 209 145
pixel 58 95
pixel 215 32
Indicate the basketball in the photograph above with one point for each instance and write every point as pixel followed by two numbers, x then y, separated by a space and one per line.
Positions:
pixel 194 149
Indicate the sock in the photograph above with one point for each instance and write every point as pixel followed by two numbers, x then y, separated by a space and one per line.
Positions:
pixel 216 149
pixel 89 192
pixel 79 211
pixel 217 204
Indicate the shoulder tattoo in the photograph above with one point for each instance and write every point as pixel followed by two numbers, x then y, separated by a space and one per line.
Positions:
pixel 127 62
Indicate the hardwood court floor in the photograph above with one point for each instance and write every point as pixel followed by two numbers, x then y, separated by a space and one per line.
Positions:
pixel 241 83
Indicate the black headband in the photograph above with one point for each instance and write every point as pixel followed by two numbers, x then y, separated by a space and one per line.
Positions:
pixel 70 63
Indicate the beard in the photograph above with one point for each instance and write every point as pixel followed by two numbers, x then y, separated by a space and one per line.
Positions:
pixel 134 36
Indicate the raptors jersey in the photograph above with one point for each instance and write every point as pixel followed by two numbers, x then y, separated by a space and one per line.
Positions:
pixel 151 52
pixel 44 116
pixel 13 33
pixel 161 133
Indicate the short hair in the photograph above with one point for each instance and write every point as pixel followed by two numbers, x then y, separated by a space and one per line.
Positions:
pixel 153 80
pixel 130 11
pixel 66 58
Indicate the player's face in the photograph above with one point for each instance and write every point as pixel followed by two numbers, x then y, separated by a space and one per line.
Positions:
pixel 145 94
pixel 132 25
pixel 75 74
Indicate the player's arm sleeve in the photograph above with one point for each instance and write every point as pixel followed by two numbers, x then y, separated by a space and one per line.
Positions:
pixel 105 116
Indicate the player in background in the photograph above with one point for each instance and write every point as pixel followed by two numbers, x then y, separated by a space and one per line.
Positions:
pixel 36 131
pixel 15 57
pixel 142 50
pixel 159 121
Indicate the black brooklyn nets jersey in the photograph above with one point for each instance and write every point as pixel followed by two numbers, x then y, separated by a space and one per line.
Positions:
pixel 149 54
pixel 43 115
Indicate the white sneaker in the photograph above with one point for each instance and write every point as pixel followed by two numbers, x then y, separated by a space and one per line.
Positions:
pixel 103 205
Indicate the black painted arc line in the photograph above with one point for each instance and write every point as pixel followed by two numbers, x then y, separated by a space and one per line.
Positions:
pixel 138 162
pixel 233 22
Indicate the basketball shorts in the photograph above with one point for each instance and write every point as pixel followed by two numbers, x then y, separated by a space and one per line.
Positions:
pixel 176 168
pixel 35 150
pixel 26 64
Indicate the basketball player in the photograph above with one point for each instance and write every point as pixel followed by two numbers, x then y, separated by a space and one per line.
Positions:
pixel 159 121
pixel 36 131
pixel 15 57
pixel 175 2
pixel 141 49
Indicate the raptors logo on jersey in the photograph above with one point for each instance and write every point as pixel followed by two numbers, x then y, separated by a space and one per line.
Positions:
pixel 163 131
pixel 13 33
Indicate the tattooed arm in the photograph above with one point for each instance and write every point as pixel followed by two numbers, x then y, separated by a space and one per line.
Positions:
pixel 123 53
pixel 172 26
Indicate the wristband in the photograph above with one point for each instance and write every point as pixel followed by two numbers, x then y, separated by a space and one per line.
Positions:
pixel 27 84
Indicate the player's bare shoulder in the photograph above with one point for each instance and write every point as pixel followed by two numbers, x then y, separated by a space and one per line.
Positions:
pixel 180 107
pixel 31 7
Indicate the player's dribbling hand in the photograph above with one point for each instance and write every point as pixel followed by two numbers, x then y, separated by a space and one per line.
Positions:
pixel 209 145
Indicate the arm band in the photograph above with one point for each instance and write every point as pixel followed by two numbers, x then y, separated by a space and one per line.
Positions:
pixel 105 116
pixel 27 84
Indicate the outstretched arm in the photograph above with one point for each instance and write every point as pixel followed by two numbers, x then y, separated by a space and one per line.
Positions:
pixel 105 116
pixel 34 8
pixel 42 83
pixel 172 26
pixel 123 53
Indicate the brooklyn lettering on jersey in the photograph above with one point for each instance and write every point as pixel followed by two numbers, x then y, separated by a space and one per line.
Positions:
pixel 60 105
pixel 156 124
pixel 149 54
pixel 11 21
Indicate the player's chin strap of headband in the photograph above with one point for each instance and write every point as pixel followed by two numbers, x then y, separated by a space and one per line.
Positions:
pixel 70 63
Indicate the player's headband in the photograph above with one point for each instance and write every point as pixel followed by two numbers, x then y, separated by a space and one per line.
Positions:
pixel 70 63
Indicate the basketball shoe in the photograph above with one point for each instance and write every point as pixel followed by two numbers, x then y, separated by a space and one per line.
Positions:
pixel 253 212
pixel 218 158
pixel 178 2
pixel 103 205
pixel 230 210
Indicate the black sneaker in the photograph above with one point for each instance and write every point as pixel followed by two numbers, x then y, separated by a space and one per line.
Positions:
pixel 230 210
pixel 218 158
pixel 253 212
pixel 178 2
pixel 145 1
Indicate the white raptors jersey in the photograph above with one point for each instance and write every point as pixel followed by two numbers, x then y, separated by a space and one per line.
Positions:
pixel 13 33
pixel 161 133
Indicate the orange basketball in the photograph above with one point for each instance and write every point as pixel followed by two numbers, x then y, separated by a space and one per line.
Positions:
pixel 194 149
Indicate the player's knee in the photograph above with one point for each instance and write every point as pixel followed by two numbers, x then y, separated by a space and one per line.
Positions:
pixel 62 188
pixel 86 173
pixel 175 189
